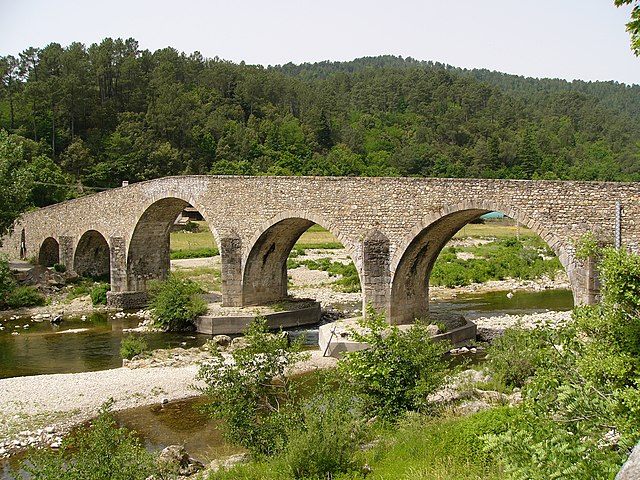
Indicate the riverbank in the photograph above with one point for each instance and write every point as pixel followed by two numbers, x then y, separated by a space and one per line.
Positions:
pixel 39 410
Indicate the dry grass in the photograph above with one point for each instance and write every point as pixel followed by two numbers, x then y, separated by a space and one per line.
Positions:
pixel 494 229
pixel 193 241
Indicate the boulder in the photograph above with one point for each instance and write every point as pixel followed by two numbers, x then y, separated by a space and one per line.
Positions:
pixel 175 458
pixel 222 341
pixel 631 468
pixel 238 343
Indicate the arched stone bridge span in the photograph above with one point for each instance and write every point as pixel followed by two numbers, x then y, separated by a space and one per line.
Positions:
pixel 394 228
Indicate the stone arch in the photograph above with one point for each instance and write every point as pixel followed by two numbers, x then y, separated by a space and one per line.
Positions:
pixel 264 278
pixel 92 256
pixel 148 256
pixel 412 264
pixel 49 253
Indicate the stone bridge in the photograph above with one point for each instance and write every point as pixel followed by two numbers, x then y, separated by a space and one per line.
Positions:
pixel 393 228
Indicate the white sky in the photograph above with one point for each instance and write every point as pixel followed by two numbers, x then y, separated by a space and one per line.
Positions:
pixel 570 39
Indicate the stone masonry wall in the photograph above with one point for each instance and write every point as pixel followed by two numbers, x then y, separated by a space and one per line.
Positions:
pixel 239 210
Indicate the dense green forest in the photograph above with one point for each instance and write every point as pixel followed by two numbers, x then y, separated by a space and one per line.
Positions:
pixel 94 116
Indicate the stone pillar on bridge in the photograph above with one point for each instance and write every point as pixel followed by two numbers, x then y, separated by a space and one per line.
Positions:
pixel 120 296
pixel 118 262
pixel 231 270
pixel 375 272
pixel 585 281
pixel 67 247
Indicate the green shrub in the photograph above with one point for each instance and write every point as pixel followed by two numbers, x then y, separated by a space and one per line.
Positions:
pixel 100 451
pixel 99 294
pixel 580 415
pixel 7 282
pixel 79 291
pixel 176 303
pixel 133 345
pixel 25 296
pixel 253 394
pixel 516 355
pixel 59 267
pixel 399 369
pixel 192 227
pixel 496 261
pixel 327 439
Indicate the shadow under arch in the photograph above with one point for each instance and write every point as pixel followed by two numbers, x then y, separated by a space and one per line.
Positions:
pixel 92 257
pixel 148 255
pixel 49 253
pixel 413 264
pixel 264 278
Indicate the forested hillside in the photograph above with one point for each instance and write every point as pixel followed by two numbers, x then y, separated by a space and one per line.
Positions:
pixel 109 112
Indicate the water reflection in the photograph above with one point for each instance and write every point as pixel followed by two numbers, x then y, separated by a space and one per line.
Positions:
pixel 75 345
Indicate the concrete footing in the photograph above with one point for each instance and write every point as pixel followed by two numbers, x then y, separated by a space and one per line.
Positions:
pixel 238 322
pixel 335 339
pixel 127 300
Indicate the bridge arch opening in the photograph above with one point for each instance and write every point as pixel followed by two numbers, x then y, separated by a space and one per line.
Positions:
pixel 168 225
pixel 414 268
pixel 282 251
pixel 92 258
pixel 49 253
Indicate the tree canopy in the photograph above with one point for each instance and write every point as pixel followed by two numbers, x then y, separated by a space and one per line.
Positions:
pixel 95 116
pixel 633 27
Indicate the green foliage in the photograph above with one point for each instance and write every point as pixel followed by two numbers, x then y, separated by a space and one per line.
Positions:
pixel 633 26
pixel 581 411
pixel 506 258
pixel 98 294
pixel 7 282
pixel 176 303
pixel 24 296
pixel 326 441
pixel 586 246
pixel 192 227
pixel 100 451
pixel 398 370
pixel 421 447
pixel 375 116
pixel 195 253
pixel 15 181
pixel 133 345
pixel 515 356
pixel 59 267
pixel 252 391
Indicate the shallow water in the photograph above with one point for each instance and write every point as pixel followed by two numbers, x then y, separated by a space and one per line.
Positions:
pixel 498 303
pixel 181 422
pixel 44 348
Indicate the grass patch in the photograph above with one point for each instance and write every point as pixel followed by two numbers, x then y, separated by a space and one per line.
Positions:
pixel 499 229
pixel 25 296
pixel 208 278
pixel 195 253
pixel 418 448
pixel 318 237
pixel 421 447
pixel 184 240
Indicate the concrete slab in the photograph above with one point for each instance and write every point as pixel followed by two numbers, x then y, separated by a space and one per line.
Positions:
pixel 335 338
